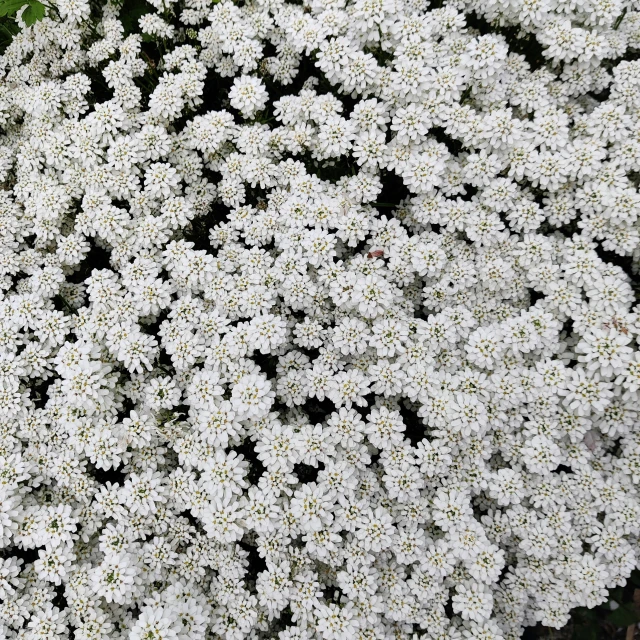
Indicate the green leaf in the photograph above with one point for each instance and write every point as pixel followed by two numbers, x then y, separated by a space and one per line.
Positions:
pixel 9 7
pixel 8 29
pixel 33 13
pixel 585 632
pixel 616 24
pixel 130 12
pixel 624 616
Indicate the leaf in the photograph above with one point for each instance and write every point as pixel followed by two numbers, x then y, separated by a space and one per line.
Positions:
pixel 9 7
pixel 130 12
pixel 34 12
pixel 617 595
pixel 585 632
pixel 616 24
pixel 624 616
pixel 8 29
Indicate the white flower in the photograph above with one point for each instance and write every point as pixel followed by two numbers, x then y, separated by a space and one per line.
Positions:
pixel 348 387
pixel 472 603
pixel 606 351
pixel 317 319
pixel 485 347
pixel 248 95
pixel 586 393
pixel 351 336
pixel 310 505
pixel 223 475
pixel 384 428
pixel 451 509
pixel 140 493
pixel 155 622
pixel 252 397
pixel 114 578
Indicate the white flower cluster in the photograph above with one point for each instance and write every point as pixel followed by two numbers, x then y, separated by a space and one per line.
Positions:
pixel 316 318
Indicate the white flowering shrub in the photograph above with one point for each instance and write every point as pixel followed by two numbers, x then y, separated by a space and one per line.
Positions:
pixel 317 318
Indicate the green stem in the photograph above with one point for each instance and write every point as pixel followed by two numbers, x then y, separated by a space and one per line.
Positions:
pixel 619 19
pixel 53 8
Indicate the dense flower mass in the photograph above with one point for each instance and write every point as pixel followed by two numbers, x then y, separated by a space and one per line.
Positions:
pixel 317 318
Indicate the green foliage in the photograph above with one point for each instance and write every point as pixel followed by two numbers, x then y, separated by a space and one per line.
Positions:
pixel 9 7
pixel 624 616
pixel 35 10
pixel 608 621
pixel 130 12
